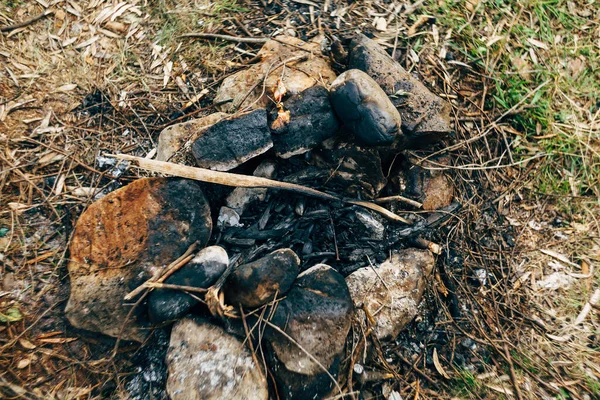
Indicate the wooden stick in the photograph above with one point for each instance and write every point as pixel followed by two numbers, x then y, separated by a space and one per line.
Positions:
pixel 200 35
pixel 237 180
pixel 160 285
pixel 23 24
pixel 402 199
pixel 171 268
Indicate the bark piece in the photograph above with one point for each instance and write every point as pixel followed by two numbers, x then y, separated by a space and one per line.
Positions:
pixel 425 116
pixel 231 142
pixel 244 89
pixel 174 137
pixel 254 284
pixel 316 314
pixel 310 121
pixel 206 363
pixel 122 240
pixel 365 108
pixel 392 291
pixel 430 186
pixel 201 272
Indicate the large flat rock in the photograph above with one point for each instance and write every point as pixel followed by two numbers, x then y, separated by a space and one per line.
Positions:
pixel 122 240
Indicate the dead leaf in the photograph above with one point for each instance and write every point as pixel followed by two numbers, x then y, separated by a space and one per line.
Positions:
pixel 438 365
pixel 283 118
pixel 57 340
pixel 279 91
pixel 26 344
pixel 66 88
pixel 538 44
pixel 24 363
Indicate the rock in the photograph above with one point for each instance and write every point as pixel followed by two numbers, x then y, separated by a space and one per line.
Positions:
pixel 425 116
pixel 306 120
pixel 201 272
pixel 392 291
pixel 122 240
pixel 429 186
pixel 254 284
pixel 232 142
pixel 372 224
pixel 176 136
pixel 206 363
pixel 316 314
pixel 228 217
pixel 365 108
pixel 241 197
pixel 245 87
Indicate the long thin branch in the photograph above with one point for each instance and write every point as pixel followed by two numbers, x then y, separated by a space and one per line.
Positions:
pixel 23 24
pixel 237 180
pixel 200 35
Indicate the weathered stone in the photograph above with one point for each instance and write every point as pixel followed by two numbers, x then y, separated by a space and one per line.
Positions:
pixel 316 314
pixel 122 240
pixel 254 284
pixel 365 108
pixel 232 142
pixel 245 88
pixel 174 137
pixel 425 116
pixel 206 363
pixel 305 121
pixel 201 272
pixel 392 291
pixel 429 185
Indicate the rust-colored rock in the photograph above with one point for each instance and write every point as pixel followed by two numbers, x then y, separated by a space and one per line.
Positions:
pixel 429 185
pixel 176 136
pixel 245 87
pixel 122 240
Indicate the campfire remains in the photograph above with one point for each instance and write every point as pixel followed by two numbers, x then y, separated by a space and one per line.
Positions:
pixel 315 238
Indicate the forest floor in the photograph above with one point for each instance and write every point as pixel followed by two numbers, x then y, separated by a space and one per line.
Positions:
pixel 521 257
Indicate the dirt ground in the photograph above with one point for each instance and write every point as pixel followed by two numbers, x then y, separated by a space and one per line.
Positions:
pixel 508 314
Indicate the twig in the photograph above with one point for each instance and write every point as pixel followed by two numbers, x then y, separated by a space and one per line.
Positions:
pixel 513 375
pixel 174 266
pixel 23 24
pixel 160 285
pixel 402 199
pixel 200 35
pixel 237 180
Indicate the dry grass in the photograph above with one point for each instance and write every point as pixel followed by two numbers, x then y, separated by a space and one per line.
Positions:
pixel 523 80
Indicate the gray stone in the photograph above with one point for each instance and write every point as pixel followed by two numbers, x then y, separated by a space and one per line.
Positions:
pixel 316 314
pixel 392 291
pixel 176 136
pixel 201 272
pixel 425 116
pixel 206 363
pixel 241 197
pixel 365 108
pixel 121 241
pixel 231 142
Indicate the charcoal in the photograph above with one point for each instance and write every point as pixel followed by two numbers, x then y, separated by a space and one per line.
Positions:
pixel 254 284
pixel 201 272
pixel 365 108
pixel 307 119
pixel 425 116
pixel 231 142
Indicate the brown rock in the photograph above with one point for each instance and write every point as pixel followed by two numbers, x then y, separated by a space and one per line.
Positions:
pixel 425 116
pixel 206 363
pixel 122 240
pixel 254 284
pixel 176 136
pixel 296 77
pixel 430 186
pixel 392 291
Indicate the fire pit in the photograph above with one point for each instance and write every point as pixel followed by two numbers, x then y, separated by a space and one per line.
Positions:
pixel 263 285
